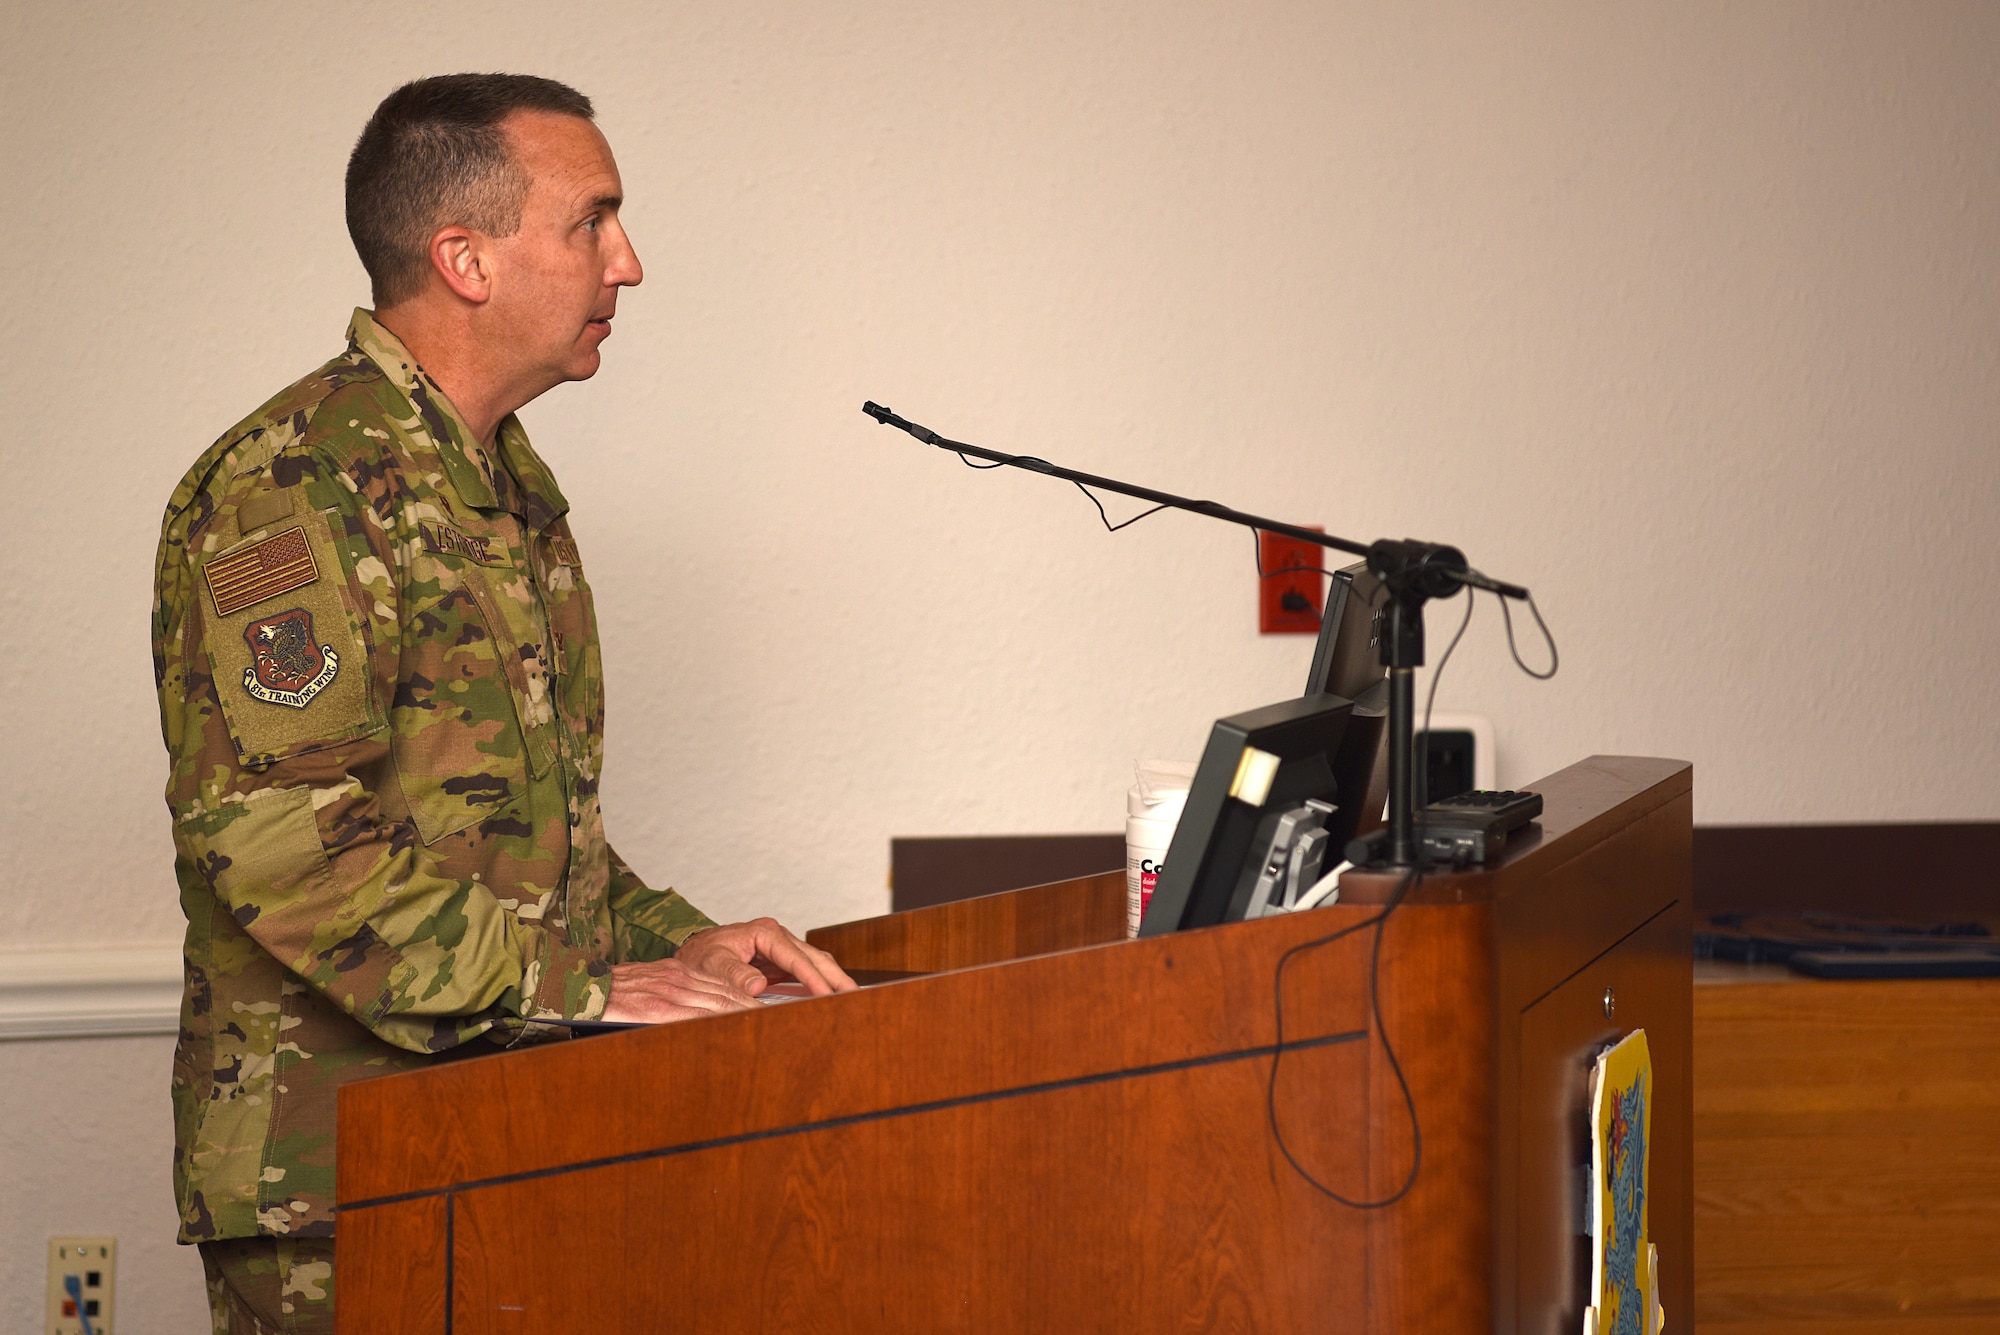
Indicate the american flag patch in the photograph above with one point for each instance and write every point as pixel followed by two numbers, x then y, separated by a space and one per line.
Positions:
pixel 276 565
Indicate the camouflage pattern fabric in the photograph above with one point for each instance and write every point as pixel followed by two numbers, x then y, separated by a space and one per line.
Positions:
pixel 269 1286
pixel 383 703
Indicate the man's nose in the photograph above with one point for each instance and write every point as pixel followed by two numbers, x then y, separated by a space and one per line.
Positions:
pixel 624 269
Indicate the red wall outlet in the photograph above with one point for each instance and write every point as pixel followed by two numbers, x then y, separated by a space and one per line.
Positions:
pixel 1289 603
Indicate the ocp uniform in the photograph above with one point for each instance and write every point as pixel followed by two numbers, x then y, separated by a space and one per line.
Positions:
pixel 381 693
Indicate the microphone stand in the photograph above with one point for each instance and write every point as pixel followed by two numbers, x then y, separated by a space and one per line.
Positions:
pixel 1412 572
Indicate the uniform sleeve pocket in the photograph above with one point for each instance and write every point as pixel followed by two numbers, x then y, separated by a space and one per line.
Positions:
pixel 285 643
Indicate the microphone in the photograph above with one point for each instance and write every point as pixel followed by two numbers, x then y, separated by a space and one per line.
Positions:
pixel 1432 570
pixel 887 417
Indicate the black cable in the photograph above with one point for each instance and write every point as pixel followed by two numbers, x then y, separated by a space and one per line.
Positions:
pixel 1110 527
pixel 1430 697
pixel 1257 546
pixel 1409 883
pixel 1104 518
pixel 1554 660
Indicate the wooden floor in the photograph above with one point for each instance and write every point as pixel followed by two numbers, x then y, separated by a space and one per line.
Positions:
pixel 1846 1155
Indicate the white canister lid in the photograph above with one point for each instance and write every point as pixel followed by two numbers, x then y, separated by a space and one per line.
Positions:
pixel 1162 789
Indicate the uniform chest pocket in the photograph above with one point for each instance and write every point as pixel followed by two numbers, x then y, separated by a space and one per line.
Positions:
pixel 467 735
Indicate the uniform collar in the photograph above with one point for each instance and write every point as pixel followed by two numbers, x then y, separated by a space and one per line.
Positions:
pixel 517 480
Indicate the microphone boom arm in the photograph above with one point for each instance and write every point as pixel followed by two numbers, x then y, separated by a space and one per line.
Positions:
pixel 1210 508
pixel 1413 572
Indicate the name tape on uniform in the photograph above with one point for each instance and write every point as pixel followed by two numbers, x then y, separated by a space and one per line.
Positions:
pixel 445 540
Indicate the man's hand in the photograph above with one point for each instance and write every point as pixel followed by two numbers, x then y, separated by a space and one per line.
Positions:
pixel 668 990
pixel 720 969
pixel 750 955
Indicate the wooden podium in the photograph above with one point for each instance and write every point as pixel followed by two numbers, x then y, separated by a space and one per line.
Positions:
pixel 1061 1130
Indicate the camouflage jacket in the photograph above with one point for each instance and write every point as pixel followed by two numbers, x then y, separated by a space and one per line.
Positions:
pixel 382 699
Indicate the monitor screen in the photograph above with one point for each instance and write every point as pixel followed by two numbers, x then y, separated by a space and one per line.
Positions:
pixel 1347 660
pixel 1265 789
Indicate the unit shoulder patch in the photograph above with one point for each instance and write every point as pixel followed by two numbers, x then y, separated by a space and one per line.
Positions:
pixel 564 550
pixel 263 570
pixel 286 666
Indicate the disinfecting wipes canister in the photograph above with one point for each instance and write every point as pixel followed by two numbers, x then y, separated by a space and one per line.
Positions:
pixel 1152 809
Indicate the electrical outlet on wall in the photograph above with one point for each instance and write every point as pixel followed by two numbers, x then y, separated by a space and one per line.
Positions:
pixel 1290 592
pixel 81 1271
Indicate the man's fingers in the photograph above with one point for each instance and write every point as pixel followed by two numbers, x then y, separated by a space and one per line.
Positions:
pixel 722 954
pixel 731 953
pixel 809 964
pixel 749 979
pixel 730 957
pixel 830 969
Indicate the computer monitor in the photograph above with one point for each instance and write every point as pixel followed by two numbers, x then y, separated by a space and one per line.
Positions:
pixel 1347 662
pixel 1280 790
pixel 1258 769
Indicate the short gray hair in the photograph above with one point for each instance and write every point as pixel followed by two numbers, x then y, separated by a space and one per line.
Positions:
pixel 433 155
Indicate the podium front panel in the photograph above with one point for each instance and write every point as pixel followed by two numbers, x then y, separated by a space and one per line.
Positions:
pixel 1081 1140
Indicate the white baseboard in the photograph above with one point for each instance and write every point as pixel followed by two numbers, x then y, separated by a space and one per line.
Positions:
pixel 97 993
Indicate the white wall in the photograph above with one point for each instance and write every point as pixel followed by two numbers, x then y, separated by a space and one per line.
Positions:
pixel 1683 314
pixel 86 1146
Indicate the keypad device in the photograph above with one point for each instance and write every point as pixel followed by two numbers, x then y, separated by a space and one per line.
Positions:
pixel 1474 826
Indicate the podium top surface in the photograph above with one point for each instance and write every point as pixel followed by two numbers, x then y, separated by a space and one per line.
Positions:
pixel 1590 799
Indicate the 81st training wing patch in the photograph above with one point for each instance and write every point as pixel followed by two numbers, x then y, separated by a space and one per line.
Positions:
pixel 286 667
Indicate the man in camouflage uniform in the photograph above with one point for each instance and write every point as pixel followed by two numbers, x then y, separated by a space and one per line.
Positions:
pixel 381 693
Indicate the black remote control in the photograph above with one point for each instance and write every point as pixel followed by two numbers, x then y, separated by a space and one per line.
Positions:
pixel 1502 803
pixel 1473 826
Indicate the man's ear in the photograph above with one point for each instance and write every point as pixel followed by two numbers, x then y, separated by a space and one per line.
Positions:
pixel 459 256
